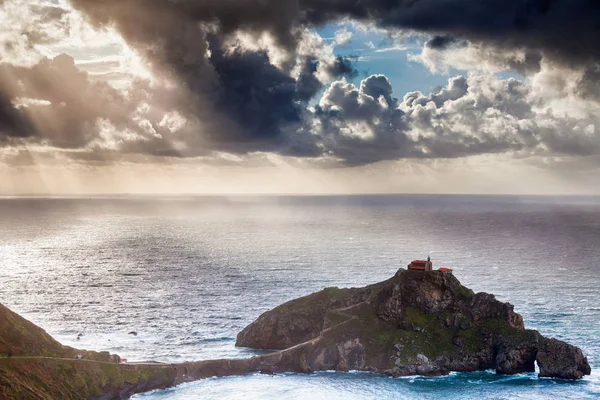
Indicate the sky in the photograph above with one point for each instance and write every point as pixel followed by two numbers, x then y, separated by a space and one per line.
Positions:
pixel 299 96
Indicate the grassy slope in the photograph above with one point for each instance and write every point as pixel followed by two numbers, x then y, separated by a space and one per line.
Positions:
pixel 21 337
pixel 22 376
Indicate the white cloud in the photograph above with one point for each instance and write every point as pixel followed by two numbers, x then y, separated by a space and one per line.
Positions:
pixel 467 57
pixel 342 36
pixel 475 115
pixel 33 30
pixel 392 48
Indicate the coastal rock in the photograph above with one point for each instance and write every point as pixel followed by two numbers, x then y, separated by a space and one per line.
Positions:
pixel 516 360
pixel 390 308
pixel 423 323
pixel 558 359
pixel 287 326
pixel 485 306
pixel 351 355
pixel 430 293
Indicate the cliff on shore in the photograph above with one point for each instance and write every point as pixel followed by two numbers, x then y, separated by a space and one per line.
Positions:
pixel 416 323
pixel 423 323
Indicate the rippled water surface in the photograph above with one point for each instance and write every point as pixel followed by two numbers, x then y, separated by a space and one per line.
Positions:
pixel 187 274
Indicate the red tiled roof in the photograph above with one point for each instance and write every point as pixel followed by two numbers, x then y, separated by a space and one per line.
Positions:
pixel 420 264
pixel 445 269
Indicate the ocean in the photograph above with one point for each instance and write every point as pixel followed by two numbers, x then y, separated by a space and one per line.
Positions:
pixel 188 273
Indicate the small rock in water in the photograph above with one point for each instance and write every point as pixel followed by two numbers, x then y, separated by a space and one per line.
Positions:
pixel 132 333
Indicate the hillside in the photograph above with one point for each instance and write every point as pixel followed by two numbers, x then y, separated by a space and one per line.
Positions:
pixel 20 337
pixel 35 366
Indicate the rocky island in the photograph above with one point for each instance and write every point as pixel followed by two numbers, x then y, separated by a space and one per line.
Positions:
pixel 416 323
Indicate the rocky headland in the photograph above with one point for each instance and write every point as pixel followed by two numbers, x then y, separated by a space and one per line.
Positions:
pixel 416 323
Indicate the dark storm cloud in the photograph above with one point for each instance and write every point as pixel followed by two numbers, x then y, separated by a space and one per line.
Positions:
pixel 308 85
pixel 171 34
pixel 66 104
pixel 59 105
pixel 567 30
pixel 245 103
pixel 441 42
pixel 235 99
pixel 254 93
pixel 531 63
pixel 13 122
pixel 589 86
pixel 342 66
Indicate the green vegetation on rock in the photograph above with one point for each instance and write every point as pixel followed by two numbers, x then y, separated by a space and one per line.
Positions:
pixel 414 323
